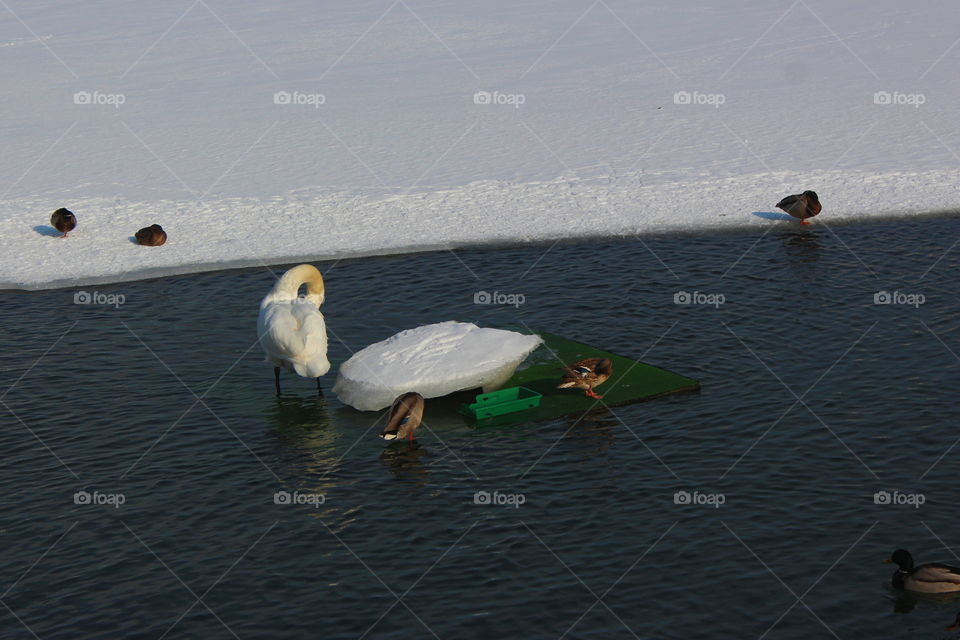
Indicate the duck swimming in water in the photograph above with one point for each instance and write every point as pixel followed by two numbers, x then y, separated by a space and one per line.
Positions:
pixel 803 205
pixel 63 221
pixel 932 577
pixel 586 374
pixel 406 414
pixel 152 236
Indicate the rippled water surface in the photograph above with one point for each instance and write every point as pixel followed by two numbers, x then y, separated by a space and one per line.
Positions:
pixel 813 399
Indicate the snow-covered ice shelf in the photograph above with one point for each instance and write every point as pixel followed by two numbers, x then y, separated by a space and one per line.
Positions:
pixel 264 133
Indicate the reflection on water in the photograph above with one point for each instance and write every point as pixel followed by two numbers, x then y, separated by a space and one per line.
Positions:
pixel 406 460
pixel 802 244
pixel 295 417
pixel 593 433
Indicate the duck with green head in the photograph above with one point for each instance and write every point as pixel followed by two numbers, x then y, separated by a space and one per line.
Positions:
pixel 932 577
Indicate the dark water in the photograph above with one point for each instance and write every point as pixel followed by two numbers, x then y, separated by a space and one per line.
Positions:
pixel 166 400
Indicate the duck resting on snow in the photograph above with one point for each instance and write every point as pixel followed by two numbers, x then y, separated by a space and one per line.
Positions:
pixel 586 374
pixel 152 236
pixel 63 221
pixel 291 328
pixel 932 577
pixel 803 205
pixel 406 414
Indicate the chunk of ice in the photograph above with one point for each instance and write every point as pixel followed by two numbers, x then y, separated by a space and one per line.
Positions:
pixel 433 360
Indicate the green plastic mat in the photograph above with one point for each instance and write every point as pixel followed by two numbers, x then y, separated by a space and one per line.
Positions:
pixel 631 381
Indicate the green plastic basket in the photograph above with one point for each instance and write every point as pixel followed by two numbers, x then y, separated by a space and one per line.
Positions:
pixel 504 401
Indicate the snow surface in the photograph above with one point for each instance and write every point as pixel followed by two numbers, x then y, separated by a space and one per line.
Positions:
pixel 590 139
pixel 434 360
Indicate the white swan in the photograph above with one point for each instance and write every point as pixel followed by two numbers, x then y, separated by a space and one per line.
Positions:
pixel 291 328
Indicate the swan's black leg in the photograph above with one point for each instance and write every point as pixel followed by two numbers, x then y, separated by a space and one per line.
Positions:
pixel 319 388
pixel 276 378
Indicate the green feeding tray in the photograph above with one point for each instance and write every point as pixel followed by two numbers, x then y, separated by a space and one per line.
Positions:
pixel 632 381
pixel 502 402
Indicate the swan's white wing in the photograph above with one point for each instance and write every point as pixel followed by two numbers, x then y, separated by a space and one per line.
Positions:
pixel 294 335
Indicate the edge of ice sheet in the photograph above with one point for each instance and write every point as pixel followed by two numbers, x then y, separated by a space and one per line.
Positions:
pixel 298 227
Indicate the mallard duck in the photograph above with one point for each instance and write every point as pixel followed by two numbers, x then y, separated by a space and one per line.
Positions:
pixel 803 205
pixel 955 625
pixel 291 328
pixel 586 374
pixel 152 236
pixel 406 414
pixel 932 577
pixel 63 221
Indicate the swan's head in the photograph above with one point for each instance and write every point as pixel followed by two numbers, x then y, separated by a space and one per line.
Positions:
pixel 287 288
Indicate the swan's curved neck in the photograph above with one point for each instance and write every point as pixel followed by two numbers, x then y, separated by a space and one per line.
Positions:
pixel 288 285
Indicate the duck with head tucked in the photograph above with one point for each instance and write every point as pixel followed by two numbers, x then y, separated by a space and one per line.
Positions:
pixel 152 236
pixel 63 221
pixel 802 205
pixel 586 374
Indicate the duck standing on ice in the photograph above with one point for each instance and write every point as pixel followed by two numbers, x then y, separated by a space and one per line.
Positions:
pixel 63 221
pixel 803 205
